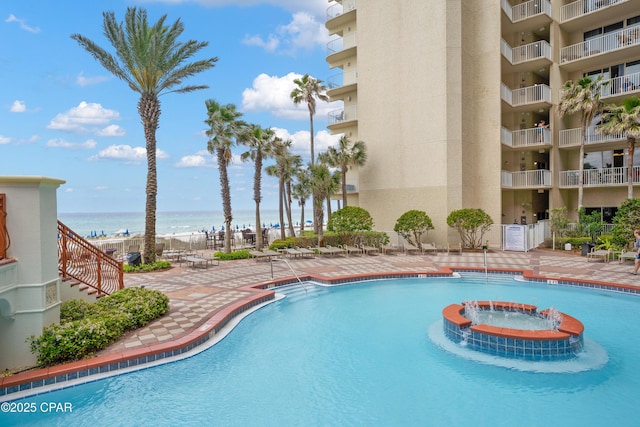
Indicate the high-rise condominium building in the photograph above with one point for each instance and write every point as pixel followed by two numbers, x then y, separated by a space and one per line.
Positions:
pixel 448 96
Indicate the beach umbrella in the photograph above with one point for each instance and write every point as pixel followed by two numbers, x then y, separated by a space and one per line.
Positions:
pixel 213 228
pixel 237 227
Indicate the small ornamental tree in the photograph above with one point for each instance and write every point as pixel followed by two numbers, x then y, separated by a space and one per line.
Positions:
pixel 412 224
pixel 349 221
pixel 559 221
pixel 471 225
pixel 626 220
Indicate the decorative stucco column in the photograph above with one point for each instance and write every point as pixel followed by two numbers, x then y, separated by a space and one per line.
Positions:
pixel 29 280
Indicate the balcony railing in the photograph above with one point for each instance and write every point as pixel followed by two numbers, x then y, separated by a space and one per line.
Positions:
pixel 526 179
pixel 602 177
pixel 626 84
pixel 573 137
pixel 342 79
pixel 526 10
pixel 527 52
pixel 534 137
pixel 341 43
pixel 584 7
pixel 338 9
pixel 343 115
pixel 609 42
pixel 526 95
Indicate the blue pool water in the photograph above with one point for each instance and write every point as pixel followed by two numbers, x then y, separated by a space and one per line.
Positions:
pixel 370 354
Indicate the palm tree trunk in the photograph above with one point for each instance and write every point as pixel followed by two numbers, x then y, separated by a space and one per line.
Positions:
pixel 344 187
pixel 317 219
pixel 581 169
pixel 631 141
pixel 281 205
pixel 311 136
pixel 257 197
pixel 226 198
pixel 149 110
pixel 288 206
pixel 302 203
pixel 328 208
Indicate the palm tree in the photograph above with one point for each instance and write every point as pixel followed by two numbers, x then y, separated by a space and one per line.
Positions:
pixel 307 90
pixel 583 97
pixel 624 119
pixel 322 181
pixel 224 129
pixel 302 191
pixel 152 62
pixel 345 156
pixel 292 163
pixel 260 144
pixel 324 158
pixel 280 153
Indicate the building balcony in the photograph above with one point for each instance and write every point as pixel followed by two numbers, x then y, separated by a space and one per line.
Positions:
pixel 534 138
pixel 570 138
pixel 526 97
pixel 622 86
pixel 532 179
pixel 602 177
pixel 342 118
pixel 526 57
pixel 582 8
pixel 617 46
pixel 340 44
pixel 526 10
pixel 340 13
pixel 341 83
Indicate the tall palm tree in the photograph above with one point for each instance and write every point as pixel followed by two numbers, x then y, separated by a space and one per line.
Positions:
pixel 260 144
pixel 623 119
pixel 307 90
pixel 224 128
pixel 302 191
pixel 322 181
pixel 582 97
pixel 324 158
pixel 280 153
pixel 152 62
pixel 291 165
pixel 345 156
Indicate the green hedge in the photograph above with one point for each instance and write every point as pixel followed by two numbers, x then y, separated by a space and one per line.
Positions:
pixel 89 327
pixel 369 238
pixel 241 254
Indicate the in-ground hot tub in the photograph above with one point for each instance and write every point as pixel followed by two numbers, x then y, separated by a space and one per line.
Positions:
pixel 560 337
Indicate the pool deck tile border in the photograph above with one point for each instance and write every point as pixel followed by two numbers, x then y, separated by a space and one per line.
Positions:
pixel 259 293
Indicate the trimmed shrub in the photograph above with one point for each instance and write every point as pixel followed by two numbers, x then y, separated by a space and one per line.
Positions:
pixel 86 328
pixel 471 224
pixel 412 224
pixel 241 254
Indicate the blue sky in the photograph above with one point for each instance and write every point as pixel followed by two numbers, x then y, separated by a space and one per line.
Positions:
pixel 64 116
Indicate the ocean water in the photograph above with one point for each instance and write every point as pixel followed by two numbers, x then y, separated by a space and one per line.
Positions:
pixel 110 224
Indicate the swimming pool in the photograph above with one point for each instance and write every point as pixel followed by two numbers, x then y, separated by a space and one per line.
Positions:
pixel 366 354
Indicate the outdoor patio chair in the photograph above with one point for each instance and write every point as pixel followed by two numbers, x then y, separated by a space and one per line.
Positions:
pixel 599 254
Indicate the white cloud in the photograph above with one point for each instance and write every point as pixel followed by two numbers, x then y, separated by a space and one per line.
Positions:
pixel 22 23
pixel 18 107
pixel 126 153
pixel 101 188
pixel 81 80
pixel 304 32
pixel 301 144
pixel 195 161
pixel 86 117
pixel 271 93
pixel 4 139
pixel 61 143
pixel 111 130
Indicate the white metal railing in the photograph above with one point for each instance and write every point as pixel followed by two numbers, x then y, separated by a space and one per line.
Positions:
pixel 337 9
pixel 341 43
pixel 601 177
pixel 526 95
pixel 584 7
pixel 342 115
pixel 606 43
pixel 342 79
pixel 528 9
pixel 573 137
pixel 533 137
pixel 528 52
pixel 624 84
pixel 526 179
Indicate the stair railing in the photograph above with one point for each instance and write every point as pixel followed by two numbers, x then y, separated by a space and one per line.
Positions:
pixel 81 261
